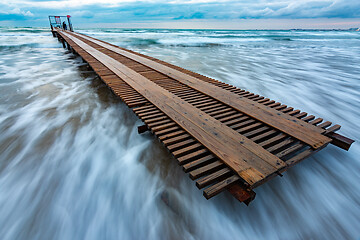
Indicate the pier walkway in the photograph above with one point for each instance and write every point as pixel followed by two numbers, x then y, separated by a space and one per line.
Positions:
pixel 226 138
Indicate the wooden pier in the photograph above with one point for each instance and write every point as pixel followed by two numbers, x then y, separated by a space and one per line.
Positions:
pixel 226 138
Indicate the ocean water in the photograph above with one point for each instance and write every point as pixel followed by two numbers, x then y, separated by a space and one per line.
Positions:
pixel 72 165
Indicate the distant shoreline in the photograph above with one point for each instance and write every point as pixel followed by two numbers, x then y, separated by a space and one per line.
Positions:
pixel 201 29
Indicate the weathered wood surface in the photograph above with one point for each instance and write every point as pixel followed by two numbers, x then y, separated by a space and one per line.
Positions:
pixel 252 162
pixel 283 122
pixel 220 146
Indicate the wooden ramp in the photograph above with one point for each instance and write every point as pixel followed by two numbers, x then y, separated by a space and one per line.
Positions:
pixel 226 138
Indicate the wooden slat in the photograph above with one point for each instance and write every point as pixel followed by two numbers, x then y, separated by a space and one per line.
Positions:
pixel 206 169
pixel 192 156
pixel 219 187
pixel 211 178
pixel 197 163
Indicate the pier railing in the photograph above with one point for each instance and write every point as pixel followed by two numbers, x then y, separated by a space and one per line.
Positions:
pixel 57 22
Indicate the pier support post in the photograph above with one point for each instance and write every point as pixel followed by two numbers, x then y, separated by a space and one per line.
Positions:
pixel 68 46
pixel 142 129
pixel 74 52
pixel 239 192
pixel 63 42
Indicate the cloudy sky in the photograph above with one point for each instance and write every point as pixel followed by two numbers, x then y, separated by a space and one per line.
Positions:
pixel 247 14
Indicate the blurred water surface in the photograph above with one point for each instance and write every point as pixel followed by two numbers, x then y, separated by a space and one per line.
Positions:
pixel 72 165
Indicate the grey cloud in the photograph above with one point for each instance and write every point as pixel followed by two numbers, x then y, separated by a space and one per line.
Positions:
pixel 164 11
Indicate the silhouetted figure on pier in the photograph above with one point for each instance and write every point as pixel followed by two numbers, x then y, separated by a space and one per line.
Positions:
pixel 64 26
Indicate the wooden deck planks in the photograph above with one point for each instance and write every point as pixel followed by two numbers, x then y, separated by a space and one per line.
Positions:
pixel 283 122
pixel 195 157
pixel 249 160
